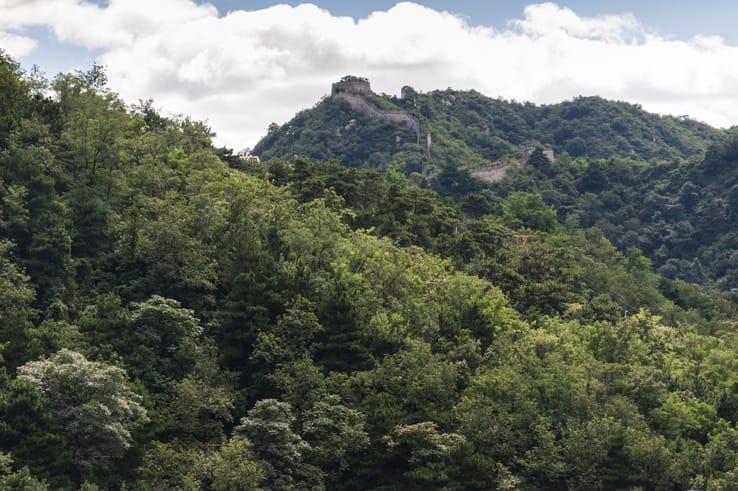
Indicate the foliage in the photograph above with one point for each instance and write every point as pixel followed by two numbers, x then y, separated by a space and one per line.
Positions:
pixel 305 325
pixel 470 130
pixel 677 213
pixel 20 480
pixel 94 405
pixel 278 450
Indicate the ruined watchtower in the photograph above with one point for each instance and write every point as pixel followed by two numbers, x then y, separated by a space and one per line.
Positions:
pixel 350 83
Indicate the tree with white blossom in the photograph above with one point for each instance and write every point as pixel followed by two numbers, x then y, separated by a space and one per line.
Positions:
pixel 95 405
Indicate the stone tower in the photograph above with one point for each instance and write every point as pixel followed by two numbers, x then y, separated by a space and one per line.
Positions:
pixel 350 83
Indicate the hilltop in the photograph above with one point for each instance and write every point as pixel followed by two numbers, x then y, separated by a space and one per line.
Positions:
pixel 468 130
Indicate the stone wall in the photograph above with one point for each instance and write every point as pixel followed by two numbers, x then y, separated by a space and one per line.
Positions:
pixel 350 83
pixel 360 104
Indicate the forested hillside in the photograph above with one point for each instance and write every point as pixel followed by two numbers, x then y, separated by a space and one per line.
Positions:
pixel 682 215
pixel 173 316
pixel 469 130
pixel 661 184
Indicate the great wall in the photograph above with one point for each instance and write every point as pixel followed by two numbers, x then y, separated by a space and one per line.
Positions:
pixel 493 172
pixel 498 170
pixel 352 90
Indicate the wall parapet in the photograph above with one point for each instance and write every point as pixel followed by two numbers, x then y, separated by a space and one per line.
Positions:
pixel 360 104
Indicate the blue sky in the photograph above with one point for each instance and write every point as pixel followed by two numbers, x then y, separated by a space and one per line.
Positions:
pixel 243 64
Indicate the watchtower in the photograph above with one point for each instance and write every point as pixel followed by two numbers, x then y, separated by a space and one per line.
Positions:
pixel 350 83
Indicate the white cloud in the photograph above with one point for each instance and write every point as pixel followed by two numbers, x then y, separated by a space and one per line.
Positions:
pixel 16 46
pixel 547 19
pixel 245 69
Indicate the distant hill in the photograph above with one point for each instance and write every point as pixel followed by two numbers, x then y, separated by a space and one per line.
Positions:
pixel 682 215
pixel 469 130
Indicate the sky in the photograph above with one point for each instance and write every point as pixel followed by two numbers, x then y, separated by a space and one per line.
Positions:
pixel 241 65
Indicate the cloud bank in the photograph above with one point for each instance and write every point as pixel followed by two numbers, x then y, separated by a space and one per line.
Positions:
pixel 242 70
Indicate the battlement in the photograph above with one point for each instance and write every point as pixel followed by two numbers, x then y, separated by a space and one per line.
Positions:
pixel 351 83
pixel 354 89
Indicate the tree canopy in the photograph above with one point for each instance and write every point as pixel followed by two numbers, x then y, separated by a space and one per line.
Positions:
pixel 177 316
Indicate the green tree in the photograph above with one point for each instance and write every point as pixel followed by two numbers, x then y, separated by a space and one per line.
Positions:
pixel 94 122
pixel 161 343
pixel 94 404
pixel 430 458
pixel 278 449
pixel 20 480
pixel 538 159
pixel 335 433
pixel 16 297
pixel 201 402
pixel 36 215
pixel 169 466
pixel 13 96
pixel 27 424
pixel 235 468
pixel 684 416
pixel 526 210
pixel 163 256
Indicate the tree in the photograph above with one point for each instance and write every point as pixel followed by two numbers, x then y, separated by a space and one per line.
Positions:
pixel 27 425
pixel 278 449
pixel 168 466
pixel 414 384
pixel 20 480
pixel 13 96
pixel 163 256
pixel 538 159
pixel 526 210
pixel 334 433
pixel 95 121
pixel 430 458
pixel 16 296
pixel 160 348
pixel 234 467
pixel 202 401
pixel 94 404
pixel 681 416
pixel 497 411
pixel 36 217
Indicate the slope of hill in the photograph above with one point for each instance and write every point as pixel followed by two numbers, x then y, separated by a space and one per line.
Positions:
pixel 647 181
pixel 468 130
pixel 175 317
pixel 682 215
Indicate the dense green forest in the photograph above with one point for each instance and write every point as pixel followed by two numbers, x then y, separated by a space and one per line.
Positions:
pixel 174 316
pixel 681 214
pixel 664 185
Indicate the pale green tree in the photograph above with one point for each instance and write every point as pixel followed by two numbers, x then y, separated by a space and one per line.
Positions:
pixel 335 433
pixel 278 449
pixel 234 467
pixel 20 480
pixel 428 457
pixel 94 404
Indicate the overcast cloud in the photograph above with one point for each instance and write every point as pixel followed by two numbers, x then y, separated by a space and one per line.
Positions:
pixel 245 69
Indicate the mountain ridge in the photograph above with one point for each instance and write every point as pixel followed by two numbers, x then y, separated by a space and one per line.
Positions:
pixel 470 130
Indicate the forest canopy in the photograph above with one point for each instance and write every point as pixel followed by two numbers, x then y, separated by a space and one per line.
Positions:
pixel 176 316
